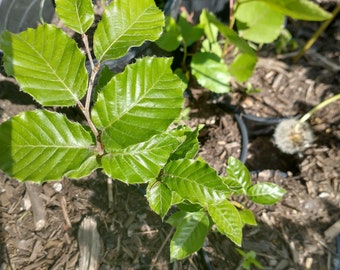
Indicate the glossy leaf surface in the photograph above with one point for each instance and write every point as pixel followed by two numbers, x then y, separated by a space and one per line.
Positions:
pixel 265 193
pixel 189 147
pixel 195 181
pixel 191 230
pixel 237 172
pixel 263 26
pixel 47 64
pixel 125 24
pixel 171 36
pixel 41 145
pixel 159 197
pixel 247 217
pixel 141 162
pixel 243 66
pixel 189 32
pixel 231 36
pixel 227 220
pixel 297 9
pixel 138 103
pixel 211 72
pixel 77 15
pixel 103 79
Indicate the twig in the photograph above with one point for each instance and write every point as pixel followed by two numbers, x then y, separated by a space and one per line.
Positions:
pixel 323 61
pixel 291 246
pixel 109 192
pixel 8 258
pixel 63 208
pixel 38 207
pixel 86 109
pixel 192 263
pixel 315 36
pixel 94 71
pixel 154 260
pixel 87 48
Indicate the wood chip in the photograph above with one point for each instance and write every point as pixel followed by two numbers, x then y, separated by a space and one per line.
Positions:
pixel 333 231
pixel 38 206
pixel 90 244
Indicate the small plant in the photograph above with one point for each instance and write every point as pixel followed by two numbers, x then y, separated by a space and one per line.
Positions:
pixel 249 259
pixel 125 128
pixel 257 22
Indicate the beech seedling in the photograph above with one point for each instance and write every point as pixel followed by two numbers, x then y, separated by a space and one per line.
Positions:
pixel 125 131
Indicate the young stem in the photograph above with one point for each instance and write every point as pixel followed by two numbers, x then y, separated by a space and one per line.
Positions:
pixel 231 14
pixel 87 49
pixel 185 55
pixel 86 109
pixel 318 107
pixel 226 47
pixel 94 71
pixel 93 128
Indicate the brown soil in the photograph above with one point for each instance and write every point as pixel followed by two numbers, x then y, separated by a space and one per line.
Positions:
pixel 290 234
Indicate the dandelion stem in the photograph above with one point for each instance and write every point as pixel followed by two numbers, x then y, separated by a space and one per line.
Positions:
pixel 318 107
pixel 316 35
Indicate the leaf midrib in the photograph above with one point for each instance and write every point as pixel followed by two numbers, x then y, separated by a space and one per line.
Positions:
pixel 131 106
pixel 123 33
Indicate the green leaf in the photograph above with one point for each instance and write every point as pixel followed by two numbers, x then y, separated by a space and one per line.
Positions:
pixel 191 230
pixel 189 147
pixel 41 145
pixel 233 185
pixel 265 193
pixel 85 168
pixel 263 26
pixel 138 103
pixel 176 198
pixel 104 78
pixel 249 258
pixel 243 66
pixel 195 181
pixel 238 172
pixel 227 220
pixel 188 207
pixel 212 48
pixel 247 217
pixel 189 32
pixel 229 34
pixel 210 30
pixel 159 197
pixel 47 64
pixel 77 15
pixel 171 36
pixel 211 72
pixel 126 24
pixel 183 76
pixel 141 162
pixel 297 9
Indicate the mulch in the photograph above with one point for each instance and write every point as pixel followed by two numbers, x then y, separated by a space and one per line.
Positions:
pixel 292 234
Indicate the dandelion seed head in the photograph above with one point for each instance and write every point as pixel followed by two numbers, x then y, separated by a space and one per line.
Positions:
pixel 292 136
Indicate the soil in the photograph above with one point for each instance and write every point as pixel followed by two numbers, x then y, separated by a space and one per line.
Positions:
pixel 289 235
